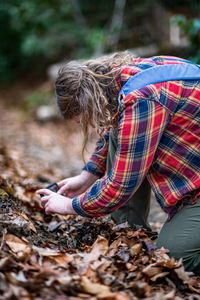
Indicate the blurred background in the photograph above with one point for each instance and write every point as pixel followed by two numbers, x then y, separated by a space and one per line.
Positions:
pixel 37 36
pixel 36 33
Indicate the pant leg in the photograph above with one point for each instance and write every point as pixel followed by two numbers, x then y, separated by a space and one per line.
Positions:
pixel 181 235
pixel 136 210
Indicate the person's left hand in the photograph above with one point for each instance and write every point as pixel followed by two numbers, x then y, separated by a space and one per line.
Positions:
pixel 54 203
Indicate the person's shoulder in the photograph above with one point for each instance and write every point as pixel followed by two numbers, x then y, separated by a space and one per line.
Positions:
pixel 137 65
pixel 168 59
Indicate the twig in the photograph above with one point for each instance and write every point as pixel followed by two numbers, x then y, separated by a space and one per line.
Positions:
pixel 3 238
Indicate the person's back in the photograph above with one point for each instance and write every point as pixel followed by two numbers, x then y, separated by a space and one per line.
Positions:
pixel 175 169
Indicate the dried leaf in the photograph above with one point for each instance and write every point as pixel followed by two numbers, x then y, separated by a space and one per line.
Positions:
pixel 141 289
pixel 24 216
pixel 164 260
pixel 145 259
pixel 114 296
pixel 149 245
pixel 186 279
pixel 94 288
pixel 17 278
pixel 54 255
pixel 99 247
pixel 17 246
pixel 114 247
pixel 19 292
pixel 46 251
pixel 64 279
pixel 4 262
pixel 61 259
pixel 123 254
pixel 159 275
pixel 152 270
pixel 136 249
pixel 101 265
pixel 121 226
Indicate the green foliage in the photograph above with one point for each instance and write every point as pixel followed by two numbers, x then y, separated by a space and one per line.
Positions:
pixel 35 33
pixel 191 28
pixel 30 33
pixel 34 99
pixel 180 4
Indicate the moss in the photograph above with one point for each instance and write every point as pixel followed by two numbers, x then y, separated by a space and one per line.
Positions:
pixel 3 194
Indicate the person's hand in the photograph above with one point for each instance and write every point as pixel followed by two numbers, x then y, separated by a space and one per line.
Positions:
pixel 74 186
pixel 54 203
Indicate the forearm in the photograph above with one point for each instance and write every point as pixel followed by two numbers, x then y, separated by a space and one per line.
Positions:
pixel 89 178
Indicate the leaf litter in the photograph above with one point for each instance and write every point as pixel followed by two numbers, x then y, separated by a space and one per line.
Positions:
pixel 80 258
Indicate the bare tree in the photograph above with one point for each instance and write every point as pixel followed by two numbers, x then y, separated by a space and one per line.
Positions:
pixel 112 28
pixel 112 33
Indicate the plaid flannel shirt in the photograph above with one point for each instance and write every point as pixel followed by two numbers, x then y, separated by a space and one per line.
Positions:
pixel 158 137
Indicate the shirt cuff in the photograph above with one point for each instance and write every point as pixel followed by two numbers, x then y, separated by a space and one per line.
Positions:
pixel 94 169
pixel 76 204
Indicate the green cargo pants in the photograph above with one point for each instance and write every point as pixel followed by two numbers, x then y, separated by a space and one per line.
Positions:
pixel 181 235
pixel 136 210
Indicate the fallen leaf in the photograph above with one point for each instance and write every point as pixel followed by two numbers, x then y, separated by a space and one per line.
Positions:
pixel 61 259
pixel 149 245
pixel 141 289
pixel 99 247
pixel 94 288
pixel 54 255
pixel 19 292
pixel 131 267
pixel 159 275
pixel 17 278
pixel 101 264
pixel 24 216
pixel 186 279
pixel 145 259
pixel 136 249
pixel 164 260
pixel 114 296
pixel 152 270
pixel 114 247
pixel 121 226
pixel 4 262
pixel 17 246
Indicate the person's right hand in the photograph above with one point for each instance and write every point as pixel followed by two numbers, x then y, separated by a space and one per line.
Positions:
pixel 74 186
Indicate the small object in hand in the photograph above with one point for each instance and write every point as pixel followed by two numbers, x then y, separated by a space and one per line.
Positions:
pixel 52 186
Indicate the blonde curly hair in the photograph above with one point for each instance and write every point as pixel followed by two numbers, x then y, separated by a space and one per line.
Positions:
pixel 87 89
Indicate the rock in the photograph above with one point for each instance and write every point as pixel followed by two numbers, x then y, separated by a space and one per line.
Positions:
pixel 47 113
pixel 52 71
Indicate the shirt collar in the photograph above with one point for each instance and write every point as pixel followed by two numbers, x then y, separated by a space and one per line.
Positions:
pixel 117 81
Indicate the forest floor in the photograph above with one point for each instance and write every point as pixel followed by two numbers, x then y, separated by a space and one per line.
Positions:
pixel 66 257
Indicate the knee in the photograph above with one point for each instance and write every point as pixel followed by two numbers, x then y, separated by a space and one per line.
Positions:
pixel 190 257
pixel 176 248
